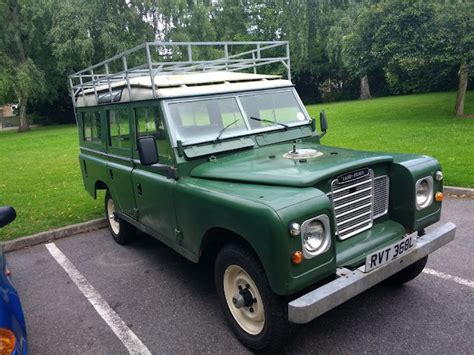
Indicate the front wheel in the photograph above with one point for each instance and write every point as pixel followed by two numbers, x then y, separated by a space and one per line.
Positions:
pixel 407 274
pixel 258 317
pixel 121 231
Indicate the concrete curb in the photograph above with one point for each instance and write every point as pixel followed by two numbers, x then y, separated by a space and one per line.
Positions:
pixel 459 191
pixel 54 234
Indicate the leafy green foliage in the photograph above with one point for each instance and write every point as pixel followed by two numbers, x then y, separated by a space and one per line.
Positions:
pixel 418 45
pixel 86 32
pixel 20 32
pixel 403 46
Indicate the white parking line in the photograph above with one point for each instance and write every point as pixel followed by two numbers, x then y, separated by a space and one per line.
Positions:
pixel 118 326
pixel 444 276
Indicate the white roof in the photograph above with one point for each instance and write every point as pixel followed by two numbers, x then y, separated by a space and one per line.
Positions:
pixel 179 85
pixel 173 80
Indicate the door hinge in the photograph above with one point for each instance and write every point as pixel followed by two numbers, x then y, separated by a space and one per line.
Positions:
pixel 179 236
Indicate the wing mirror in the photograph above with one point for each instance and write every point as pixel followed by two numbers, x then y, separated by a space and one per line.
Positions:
pixel 7 215
pixel 147 150
pixel 323 122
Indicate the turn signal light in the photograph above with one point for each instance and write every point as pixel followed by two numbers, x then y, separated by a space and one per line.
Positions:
pixel 7 341
pixel 439 196
pixel 297 257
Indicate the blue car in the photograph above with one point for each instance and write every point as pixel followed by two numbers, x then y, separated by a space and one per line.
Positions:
pixel 12 320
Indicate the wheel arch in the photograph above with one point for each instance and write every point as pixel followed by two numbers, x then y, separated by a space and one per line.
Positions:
pixel 216 238
pixel 99 185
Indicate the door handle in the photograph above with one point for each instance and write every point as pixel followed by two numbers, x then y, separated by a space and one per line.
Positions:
pixel 139 189
pixel 111 174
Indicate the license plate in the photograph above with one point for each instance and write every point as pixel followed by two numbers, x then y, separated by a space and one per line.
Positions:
pixel 389 253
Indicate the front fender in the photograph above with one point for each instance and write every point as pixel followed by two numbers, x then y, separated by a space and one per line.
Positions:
pixel 204 205
pixel 405 171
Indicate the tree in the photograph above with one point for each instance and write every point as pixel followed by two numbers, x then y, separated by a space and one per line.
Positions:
pixel 457 24
pixel 408 44
pixel 86 32
pixel 356 49
pixel 20 73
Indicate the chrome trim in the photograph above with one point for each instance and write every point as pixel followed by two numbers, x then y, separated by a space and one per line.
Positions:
pixel 387 194
pixel 366 223
pixel 350 283
pixel 355 209
pixel 430 198
pixel 324 219
pixel 373 200
pixel 353 218
pixel 353 185
pixel 349 203
pixel 294 229
pixel 354 193
pixel 356 225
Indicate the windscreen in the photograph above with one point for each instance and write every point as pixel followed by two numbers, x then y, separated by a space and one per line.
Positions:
pixel 214 118
pixel 272 108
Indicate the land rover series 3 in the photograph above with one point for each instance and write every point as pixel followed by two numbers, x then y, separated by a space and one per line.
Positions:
pixel 218 161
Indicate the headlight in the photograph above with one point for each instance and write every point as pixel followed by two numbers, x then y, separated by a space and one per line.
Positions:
pixel 424 192
pixel 315 236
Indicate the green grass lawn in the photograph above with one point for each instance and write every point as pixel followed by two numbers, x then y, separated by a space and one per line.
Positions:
pixel 40 176
pixel 420 124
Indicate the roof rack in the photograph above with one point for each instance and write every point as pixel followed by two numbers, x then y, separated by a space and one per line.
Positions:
pixel 164 58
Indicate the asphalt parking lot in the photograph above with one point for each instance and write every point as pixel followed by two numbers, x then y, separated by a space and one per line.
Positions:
pixel 170 305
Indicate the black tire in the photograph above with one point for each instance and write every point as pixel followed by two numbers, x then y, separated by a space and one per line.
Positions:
pixel 276 327
pixel 407 274
pixel 122 232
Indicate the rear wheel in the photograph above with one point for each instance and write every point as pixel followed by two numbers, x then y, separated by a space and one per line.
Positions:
pixel 258 317
pixel 121 231
pixel 407 274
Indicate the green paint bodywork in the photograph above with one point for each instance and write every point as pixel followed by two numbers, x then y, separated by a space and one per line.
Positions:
pixel 244 188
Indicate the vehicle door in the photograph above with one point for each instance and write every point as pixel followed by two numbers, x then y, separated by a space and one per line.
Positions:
pixel 153 185
pixel 120 162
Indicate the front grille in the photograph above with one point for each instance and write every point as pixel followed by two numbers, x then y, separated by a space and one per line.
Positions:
pixel 381 192
pixel 356 204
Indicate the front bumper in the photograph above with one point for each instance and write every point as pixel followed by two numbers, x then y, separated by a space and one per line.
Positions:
pixel 350 283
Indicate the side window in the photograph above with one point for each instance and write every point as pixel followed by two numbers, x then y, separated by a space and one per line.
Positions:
pixel 91 127
pixel 150 123
pixel 145 120
pixel 119 128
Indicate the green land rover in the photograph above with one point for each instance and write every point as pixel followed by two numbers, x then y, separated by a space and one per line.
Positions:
pixel 222 163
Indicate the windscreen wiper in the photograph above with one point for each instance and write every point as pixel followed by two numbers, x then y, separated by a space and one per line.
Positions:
pixel 223 130
pixel 269 121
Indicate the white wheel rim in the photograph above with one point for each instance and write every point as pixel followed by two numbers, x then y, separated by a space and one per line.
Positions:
pixel 251 322
pixel 114 224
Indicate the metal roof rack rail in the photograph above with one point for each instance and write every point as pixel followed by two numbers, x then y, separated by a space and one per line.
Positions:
pixel 163 58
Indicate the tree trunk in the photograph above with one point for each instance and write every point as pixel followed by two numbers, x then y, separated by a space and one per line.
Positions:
pixel 462 87
pixel 364 88
pixel 23 121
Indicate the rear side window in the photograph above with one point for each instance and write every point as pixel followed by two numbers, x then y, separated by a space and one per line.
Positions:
pixel 91 127
pixel 119 128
